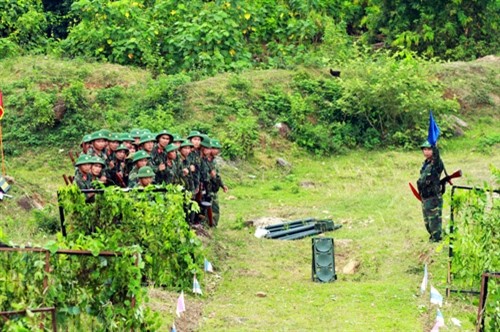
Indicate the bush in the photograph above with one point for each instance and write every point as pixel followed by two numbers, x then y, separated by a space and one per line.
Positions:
pixel 155 221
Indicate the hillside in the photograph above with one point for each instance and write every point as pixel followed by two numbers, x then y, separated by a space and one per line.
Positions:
pixel 50 104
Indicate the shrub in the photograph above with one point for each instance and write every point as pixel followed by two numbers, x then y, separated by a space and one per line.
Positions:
pixel 153 220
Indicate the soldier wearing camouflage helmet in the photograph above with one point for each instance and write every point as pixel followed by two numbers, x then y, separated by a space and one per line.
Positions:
pixel 185 165
pixel 195 156
pixel 147 142
pixel 99 141
pixel 171 172
pixel 159 153
pixel 145 177
pixel 429 188
pixel 85 144
pixel 83 178
pixel 140 160
pixel 119 174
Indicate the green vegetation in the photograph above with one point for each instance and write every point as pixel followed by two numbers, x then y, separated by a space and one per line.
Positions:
pixel 476 246
pixel 88 292
pixel 378 101
pixel 71 67
pixel 216 36
pixel 153 221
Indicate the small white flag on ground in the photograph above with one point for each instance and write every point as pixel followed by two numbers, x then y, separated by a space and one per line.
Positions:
pixel 181 306
pixel 208 266
pixel 423 285
pixel 196 286
pixel 173 328
pixel 436 298
pixel 439 322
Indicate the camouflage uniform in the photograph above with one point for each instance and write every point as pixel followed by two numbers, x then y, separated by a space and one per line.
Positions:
pixel 430 191
pixel 216 185
pixel 83 181
pixel 132 176
pixel 186 180
pixel 119 167
pixel 172 171
pixel 195 159
pixel 158 156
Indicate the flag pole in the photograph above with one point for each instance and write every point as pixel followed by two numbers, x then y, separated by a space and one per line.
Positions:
pixel 1 150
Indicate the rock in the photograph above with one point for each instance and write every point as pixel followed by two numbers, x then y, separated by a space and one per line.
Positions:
pixel 260 294
pixel 283 129
pixel 59 110
pixel 457 131
pixel 28 203
pixel 459 122
pixel 351 267
pixel 24 202
pixel 283 163
pixel 231 198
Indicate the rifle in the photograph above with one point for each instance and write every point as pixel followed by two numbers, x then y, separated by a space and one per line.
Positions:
pixel 442 182
pixel 448 178
pixel 120 179
pixel 70 154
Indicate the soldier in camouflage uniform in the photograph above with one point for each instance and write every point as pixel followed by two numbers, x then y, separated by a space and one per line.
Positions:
pixel 126 140
pixel 119 174
pixel 195 157
pixel 216 181
pixel 113 143
pixel 186 168
pixel 136 135
pixel 206 175
pixel 85 144
pixel 429 189
pixel 96 170
pixel 147 143
pixel 83 178
pixel 177 140
pixel 159 153
pixel 140 160
pixel 171 172
pixel 145 177
pixel 83 175
pixel 99 140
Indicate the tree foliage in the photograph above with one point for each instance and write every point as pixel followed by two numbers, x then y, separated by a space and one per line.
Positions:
pixel 88 292
pixel 476 245
pixel 214 36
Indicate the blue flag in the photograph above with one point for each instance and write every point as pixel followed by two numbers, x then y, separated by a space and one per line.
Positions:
pixel 434 131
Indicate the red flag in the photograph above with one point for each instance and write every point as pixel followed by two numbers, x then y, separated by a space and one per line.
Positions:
pixel 1 105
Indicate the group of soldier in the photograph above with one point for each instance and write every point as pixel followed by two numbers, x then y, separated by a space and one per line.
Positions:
pixel 142 158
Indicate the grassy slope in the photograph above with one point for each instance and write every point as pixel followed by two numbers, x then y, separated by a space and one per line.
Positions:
pixel 365 191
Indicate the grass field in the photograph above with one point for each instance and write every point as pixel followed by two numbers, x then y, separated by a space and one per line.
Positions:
pixel 365 191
